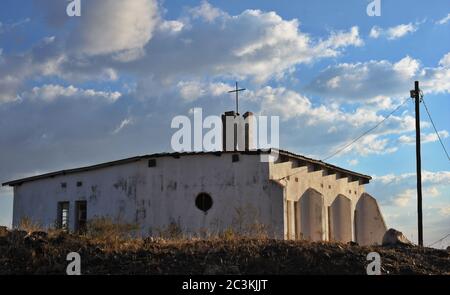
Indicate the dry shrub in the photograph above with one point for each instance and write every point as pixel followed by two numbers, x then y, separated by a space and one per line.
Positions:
pixel 172 232
pixel 29 226
pixel 246 224
pixel 111 233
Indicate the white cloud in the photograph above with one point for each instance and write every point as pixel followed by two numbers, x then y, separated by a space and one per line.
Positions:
pixel 283 102
pixel 126 122
pixel 268 47
pixel 397 195
pixel 445 211
pixel 379 81
pixel 182 52
pixel 436 80
pixel 353 162
pixel 193 89
pixel 116 27
pixel 439 177
pixel 445 61
pixel 51 92
pixel 407 67
pixel 444 20
pixel 8 85
pixel 424 138
pixel 171 26
pixel 393 32
pixel 331 123
pixel 342 39
pixel 132 37
pixel 403 198
pixel 399 190
pixel 400 31
pixel 432 191
pixel 365 81
pixel 206 11
pixel 372 144
pixel 375 32
pixel 8 27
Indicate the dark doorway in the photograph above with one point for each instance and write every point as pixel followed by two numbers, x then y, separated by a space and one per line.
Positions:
pixel 80 216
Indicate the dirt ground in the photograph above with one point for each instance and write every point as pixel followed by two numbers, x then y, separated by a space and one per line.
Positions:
pixel 42 253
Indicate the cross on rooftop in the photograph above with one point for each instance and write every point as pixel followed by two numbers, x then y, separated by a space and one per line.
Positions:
pixel 237 90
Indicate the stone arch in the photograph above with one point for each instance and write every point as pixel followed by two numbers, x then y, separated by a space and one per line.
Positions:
pixel 312 215
pixel 369 223
pixel 341 219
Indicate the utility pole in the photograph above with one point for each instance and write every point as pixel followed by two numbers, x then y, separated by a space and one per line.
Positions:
pixel 417 95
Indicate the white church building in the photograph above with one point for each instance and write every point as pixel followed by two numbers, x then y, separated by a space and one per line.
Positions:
pixel 294 197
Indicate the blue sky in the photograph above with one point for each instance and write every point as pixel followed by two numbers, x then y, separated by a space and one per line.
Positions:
pixel 82 90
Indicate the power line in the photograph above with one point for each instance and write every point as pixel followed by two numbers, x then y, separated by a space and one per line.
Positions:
pixel 435 130
pixel 440 240
pixel 365 133
pixel 356 139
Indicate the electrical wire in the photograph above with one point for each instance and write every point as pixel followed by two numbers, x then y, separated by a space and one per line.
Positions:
pixel 440 240
pixel 435 129
pixel 366 132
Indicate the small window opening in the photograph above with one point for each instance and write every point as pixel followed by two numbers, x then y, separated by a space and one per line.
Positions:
pixel 63 215
pixel 63 185
pixel 152 163
pixel 79 183
pixel 203 202
pixel 235 158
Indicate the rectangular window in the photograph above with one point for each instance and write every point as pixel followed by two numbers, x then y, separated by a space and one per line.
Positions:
pixel 235 158
pixel 79 183
pixel 152 163
pixel 63 215
pixel 80 216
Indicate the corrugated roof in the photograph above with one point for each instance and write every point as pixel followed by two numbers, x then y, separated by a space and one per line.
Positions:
pixel 180 154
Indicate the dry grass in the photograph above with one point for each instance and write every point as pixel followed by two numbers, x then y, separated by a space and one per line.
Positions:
pixel 112 235
pixel 26 224
pixel 230 254
pixel 112 247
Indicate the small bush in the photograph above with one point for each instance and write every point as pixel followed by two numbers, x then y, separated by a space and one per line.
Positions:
pixel 29 226
pixel 105 229
pixel 172 232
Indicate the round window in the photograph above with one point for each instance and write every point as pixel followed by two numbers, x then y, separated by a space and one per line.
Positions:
pixel 203 202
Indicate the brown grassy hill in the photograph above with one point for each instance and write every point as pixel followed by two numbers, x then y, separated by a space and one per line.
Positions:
pixel 42 253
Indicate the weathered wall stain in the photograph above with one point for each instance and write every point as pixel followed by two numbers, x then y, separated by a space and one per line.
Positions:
pixel 94 193
pixel 172 185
